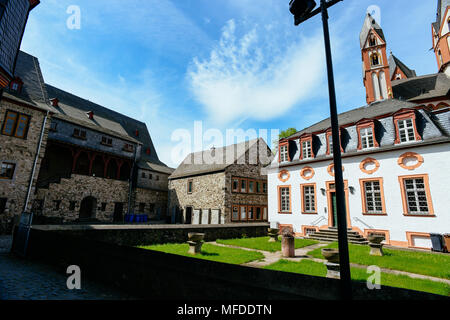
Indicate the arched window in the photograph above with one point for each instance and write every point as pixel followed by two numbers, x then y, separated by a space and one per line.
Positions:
pixel 375 60
pixel 372 41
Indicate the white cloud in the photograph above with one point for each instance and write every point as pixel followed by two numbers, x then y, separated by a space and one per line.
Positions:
pixel 256 75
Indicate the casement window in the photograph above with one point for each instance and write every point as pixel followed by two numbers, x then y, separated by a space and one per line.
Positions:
pixel 330 144
pixel 80 134
pixel 7 170
pixel 16 124
pixel 372 196
pixel 106 141
pixel 243 213
pixel 190 186
pixel 307 149
pixel 235 213
pixel 416 195
pixel 284 153
pixel 150 176
pixel 251 213
pixel 72 205
pixel 406 130
pixel 309 198
pixel 258 186
pixel 243 183
pixel 128 147
pixel 143 175
pixel 284 199
pixel 367 138
pixel 235 185
pixel 157 178
pixel 251 186
pixel 264 187
pixel 258 214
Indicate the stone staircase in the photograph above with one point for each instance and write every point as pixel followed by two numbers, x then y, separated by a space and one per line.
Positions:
pixel 331 235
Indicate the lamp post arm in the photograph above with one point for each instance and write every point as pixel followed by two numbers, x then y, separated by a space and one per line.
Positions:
pixel 316 12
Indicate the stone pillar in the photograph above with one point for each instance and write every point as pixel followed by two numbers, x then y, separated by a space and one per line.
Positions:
pixel 288 243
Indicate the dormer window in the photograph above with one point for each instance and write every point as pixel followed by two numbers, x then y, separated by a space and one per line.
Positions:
pixel 366 135
pixel 330 144
pixel 284 152
pixel 306 146
pixel 79 134
pixel 406 130
pixel 128 147
pixel 106 141
pixel 307 149
pixel 90 115
pixel 405 125
pixel 16 85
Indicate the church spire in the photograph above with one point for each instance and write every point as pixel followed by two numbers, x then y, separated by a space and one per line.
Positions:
pixel 440 30
pixel 376 73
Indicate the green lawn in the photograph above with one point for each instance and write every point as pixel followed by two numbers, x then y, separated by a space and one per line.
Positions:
pixel 210 252
pixel 312 268
pixel 436 265
pixel 263 243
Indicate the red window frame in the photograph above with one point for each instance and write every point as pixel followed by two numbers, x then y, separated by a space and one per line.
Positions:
pixel 405 114
pixel 364 125
pixel 283 143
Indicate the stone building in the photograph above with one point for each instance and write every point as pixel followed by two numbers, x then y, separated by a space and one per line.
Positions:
pixel 94 164
pixel 394 157
pixel 221 185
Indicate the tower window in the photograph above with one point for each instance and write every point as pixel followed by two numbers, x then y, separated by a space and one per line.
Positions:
pixel 372 41
pixel 375 59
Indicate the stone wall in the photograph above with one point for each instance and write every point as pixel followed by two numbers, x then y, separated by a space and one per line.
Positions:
pixel 22 153
pixel 157 275
pixel 152 180
pixel 76 189
pixel 153 201
pixel 207 193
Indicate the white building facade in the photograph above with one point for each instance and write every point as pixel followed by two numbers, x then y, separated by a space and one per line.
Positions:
pixel 395 155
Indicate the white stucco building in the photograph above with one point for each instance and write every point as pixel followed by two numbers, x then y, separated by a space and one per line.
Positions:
pixel 395 160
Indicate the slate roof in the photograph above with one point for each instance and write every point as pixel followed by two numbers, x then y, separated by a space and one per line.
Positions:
pixel 370 111
pixel 73 109
pixel 368 24
pixel 394 62
pixel 422 87
pixel 33 92
pixel 197 163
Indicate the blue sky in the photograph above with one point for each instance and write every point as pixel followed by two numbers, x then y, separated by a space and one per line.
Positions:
pixel 227 63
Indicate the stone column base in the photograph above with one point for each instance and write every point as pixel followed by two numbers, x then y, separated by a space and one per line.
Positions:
pixel 195 247
pixel 376 249
pixel 333 270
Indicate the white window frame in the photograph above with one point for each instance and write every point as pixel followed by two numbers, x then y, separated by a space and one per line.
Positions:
pixel 285 196
pixel 413 196
pixel 407 130
pixel 307 149
pixel 309 199
pixel 373 196
pixel 367 138
pixel 284 156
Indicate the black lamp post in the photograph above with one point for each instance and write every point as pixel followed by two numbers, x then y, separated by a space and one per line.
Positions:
pixel 302 11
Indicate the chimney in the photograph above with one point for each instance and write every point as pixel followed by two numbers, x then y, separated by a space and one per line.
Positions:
pixel 90 114
pixel 55 102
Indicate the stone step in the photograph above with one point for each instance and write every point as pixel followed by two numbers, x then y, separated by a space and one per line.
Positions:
pixel 361 241
pixel 332 233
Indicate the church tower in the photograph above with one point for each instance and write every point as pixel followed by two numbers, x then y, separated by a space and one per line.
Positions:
pixel 377 79
pixel 441 41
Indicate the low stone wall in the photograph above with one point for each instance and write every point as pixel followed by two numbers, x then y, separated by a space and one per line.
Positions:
pixel 135 235
pixel 157 275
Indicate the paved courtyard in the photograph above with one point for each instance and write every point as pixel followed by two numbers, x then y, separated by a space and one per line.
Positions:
pixel 28 280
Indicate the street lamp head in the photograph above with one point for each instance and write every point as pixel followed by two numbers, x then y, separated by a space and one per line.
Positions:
pixel 301 8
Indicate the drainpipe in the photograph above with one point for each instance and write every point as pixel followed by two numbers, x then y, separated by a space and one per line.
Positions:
pixel 132 176
pixel 36 158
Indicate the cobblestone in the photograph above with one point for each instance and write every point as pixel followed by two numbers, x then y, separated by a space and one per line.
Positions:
pixel 22 279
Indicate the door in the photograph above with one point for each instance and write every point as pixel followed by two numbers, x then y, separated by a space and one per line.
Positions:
pixel 87 208
pixel 334 208
pixel 188 215
pixel 118 212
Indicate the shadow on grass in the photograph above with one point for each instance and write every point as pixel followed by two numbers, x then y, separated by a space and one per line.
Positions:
pixel 209 254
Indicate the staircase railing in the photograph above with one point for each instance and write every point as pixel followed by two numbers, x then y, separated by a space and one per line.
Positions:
pixel 316 222
pixel 359 220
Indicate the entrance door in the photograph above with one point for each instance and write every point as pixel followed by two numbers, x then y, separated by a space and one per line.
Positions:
pixel 188 215
pixel 87 208
pixel 118 212
pixel 334 208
